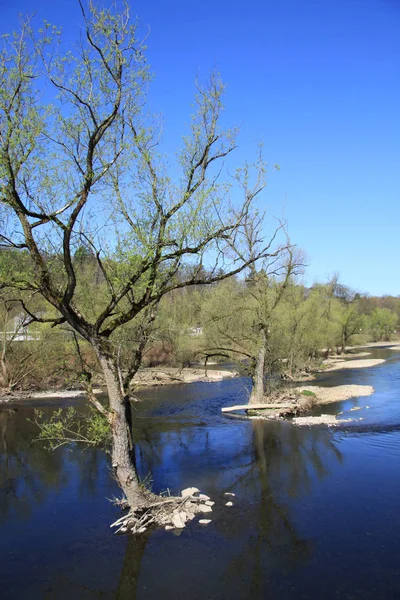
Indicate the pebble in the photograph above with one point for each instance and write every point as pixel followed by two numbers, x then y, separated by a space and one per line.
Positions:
pixel 204 521
pixel 229 504
pixel 229 494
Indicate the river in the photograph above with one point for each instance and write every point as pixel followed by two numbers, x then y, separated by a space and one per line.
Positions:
pixel 315 514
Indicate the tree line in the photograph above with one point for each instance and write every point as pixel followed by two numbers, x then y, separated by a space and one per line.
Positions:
pixel 269 324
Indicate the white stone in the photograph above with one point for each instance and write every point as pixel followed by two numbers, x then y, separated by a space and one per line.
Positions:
pixel 204 521
pixel 229 494
pixel 204 508
pixel 167 527
pixel 179 520
pixel 229 504
pixel 191 507
pixel 203 497
pixel 189 492
pixel 209 503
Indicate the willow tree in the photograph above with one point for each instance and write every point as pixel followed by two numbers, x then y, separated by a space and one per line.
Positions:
pixel 80 167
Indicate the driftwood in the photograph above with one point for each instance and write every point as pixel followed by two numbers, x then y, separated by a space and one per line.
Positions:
pixel 254 407
pixel 285 404
pixel 158 513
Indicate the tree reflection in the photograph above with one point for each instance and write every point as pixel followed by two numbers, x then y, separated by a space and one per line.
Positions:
pixel 286 461
pixel 128 581
pixel 270 465
pixel 29 472
pixel 26 470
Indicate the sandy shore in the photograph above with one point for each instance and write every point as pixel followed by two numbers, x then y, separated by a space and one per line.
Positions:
pixel 62 394
pixel 379 344
pixel 329 420
pixel 168 376
pixel 294 403
pixel 334 394
pixel 338 393
pixel 336 364
pixel 337 357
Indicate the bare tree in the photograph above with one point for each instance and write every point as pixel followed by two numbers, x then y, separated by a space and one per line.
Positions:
pixel 84 169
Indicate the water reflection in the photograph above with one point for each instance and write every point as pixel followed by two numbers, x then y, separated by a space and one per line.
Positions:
pixel 285 462
pixel 29 473
pixel 269 465
pixel 290 513
pixel 128 581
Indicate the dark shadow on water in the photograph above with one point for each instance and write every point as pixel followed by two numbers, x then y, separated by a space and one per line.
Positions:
pixel 131 566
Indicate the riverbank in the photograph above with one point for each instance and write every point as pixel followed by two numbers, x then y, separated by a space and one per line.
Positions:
pixel 168 375
pixel 341 361
pixel 298 401
pixel 338 393
pixel 160 376
pixel 336 364
pixel 144 378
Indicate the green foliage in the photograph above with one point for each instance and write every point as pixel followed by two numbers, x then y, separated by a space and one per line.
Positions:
pixel 147 482
pixel 68 426
pixel 307 393
pixel 382 323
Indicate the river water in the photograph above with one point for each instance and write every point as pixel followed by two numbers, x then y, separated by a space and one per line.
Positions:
pixel 316 512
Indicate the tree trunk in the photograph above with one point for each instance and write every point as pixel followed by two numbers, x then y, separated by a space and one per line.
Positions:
pixel 257 393
pixel 344 342
pixel 122 462
pixel 290 363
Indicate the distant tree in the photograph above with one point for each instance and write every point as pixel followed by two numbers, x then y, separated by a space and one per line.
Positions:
pixel 242 321
pixel 383 322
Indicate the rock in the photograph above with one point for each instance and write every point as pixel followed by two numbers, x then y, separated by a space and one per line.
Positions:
pixel 209 503
pixel 189 492
pixel 179 520
pixel 167 527
pixel 229 494
pixel 203 497
pixel 183 515
pixel 229 504
pixel 204 521
pixel 204 508
pixel 164 519
pixel 191 507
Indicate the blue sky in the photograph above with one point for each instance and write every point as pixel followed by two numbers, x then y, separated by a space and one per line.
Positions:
pixel 319 83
